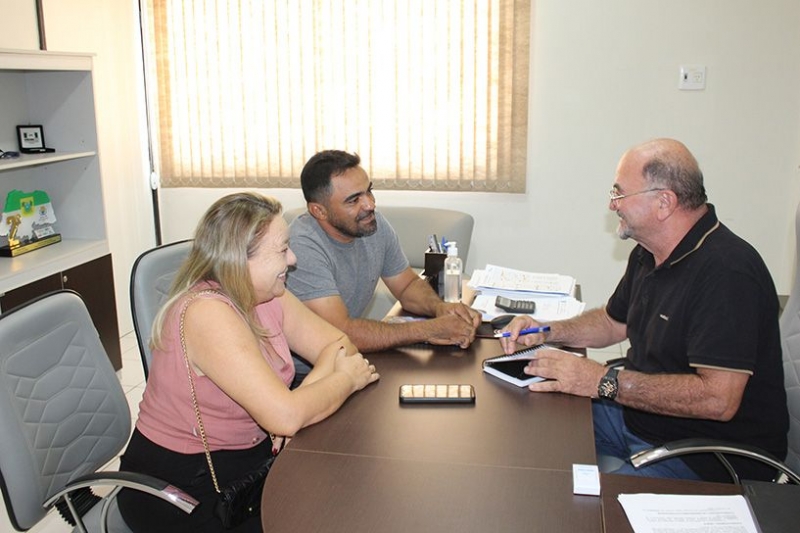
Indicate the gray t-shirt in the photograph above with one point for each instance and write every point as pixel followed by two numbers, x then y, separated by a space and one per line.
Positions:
pixel 326 267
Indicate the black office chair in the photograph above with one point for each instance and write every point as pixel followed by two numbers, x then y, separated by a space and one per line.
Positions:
pixel 63 417
pixel 788 470
pixel 151 279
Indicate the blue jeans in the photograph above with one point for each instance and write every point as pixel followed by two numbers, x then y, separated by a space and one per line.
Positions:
pixel 613 439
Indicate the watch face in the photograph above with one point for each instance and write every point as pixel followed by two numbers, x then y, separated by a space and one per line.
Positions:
pixel 608 386
pixel 607 389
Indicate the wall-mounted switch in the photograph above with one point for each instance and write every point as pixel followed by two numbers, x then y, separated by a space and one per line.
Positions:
pixel 692 78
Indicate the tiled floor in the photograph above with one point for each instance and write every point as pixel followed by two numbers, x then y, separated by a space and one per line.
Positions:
pixel 132 378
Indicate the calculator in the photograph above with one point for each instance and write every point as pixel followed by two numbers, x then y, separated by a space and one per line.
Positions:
pixel 527 307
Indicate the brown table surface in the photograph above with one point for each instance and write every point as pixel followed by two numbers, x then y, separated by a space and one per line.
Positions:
pixel 503 464
pixel 507 426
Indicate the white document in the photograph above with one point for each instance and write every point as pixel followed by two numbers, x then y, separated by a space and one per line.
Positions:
pixel 508 279
pixel 670 513
pixel 548 308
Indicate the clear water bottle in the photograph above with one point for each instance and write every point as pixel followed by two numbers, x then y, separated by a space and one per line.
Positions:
pixel 453 269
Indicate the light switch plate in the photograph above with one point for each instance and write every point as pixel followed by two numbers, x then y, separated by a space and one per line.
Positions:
pixel 692 78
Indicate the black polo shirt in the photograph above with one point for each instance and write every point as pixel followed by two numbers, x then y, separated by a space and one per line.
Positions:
pixel 712 303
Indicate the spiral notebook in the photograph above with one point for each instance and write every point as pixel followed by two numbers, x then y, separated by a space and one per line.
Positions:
pixel 511 367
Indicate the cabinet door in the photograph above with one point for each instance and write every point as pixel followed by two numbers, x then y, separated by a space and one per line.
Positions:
pixel 94 281
pixel 28 292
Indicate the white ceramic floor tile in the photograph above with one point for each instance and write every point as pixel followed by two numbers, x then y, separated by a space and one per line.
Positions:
pixel 131 374
pixel 53 523
pixel 128 342
pixel 134 396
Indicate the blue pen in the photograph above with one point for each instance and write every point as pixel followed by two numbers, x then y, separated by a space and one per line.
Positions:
pixel 526 331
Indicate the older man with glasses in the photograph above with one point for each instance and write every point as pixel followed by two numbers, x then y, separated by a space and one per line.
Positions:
pixel 700 311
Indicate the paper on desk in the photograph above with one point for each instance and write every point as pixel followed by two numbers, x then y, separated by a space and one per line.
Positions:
pixel 661 513
pixel 507 279
pixel 548 308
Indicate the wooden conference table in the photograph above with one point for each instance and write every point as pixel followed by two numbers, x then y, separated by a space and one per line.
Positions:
pixel 502 464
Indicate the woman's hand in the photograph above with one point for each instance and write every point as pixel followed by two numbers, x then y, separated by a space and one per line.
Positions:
pixel 355 366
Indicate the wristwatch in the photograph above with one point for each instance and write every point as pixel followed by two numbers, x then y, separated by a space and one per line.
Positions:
pixel 608 386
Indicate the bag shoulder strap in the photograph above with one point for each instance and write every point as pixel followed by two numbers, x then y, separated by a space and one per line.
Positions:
pixel 200 425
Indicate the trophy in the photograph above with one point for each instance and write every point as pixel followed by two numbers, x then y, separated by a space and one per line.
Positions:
pixel 27 223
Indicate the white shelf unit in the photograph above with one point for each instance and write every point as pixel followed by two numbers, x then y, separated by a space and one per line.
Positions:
pixel 54 90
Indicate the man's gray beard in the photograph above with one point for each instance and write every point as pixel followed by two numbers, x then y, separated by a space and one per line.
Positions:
pixel 623 233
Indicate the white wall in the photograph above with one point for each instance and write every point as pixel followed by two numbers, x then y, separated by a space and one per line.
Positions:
pixel 604 77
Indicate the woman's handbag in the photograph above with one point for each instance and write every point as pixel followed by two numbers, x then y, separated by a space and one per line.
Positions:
pixel 241 499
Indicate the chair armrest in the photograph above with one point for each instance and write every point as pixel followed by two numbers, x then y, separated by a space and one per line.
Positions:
pixel 130 480
pixel 717 447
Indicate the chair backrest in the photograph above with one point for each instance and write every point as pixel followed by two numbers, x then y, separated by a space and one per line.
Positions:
pixel 63 412
pixel 414 224
pixel 790 339
pixel 151 279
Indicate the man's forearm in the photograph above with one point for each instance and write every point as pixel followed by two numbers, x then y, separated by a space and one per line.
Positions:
pixel 374 335
pixel 419 298
pixel 684 395
pixel 592 329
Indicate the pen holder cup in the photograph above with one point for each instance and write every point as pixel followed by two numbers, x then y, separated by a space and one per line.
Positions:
pixel 434 265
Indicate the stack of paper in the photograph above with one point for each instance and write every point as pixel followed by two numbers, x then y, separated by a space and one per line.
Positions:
pixel 657 513
pixel 553 293
pixel 513 283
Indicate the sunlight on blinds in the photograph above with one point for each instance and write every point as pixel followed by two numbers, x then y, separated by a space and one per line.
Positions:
pixel 432 94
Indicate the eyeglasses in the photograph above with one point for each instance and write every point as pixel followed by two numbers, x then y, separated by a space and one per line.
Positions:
pixel 614 196
pixel 8 155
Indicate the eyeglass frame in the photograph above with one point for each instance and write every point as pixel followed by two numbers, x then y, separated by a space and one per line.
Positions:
pixel 614 196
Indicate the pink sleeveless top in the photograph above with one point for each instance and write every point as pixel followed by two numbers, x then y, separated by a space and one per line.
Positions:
pixel 166 413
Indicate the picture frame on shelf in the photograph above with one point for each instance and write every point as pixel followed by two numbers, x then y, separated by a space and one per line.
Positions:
pixel 31 139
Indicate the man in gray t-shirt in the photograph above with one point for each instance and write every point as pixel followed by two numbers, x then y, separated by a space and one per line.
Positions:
pixel 344 246
pixel 350 270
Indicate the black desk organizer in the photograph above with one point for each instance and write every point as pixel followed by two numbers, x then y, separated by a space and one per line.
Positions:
pixel 433 272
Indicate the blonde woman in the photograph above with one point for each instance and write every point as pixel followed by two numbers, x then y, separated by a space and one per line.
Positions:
pixel 239 326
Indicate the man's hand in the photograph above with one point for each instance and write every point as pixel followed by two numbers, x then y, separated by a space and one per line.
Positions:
pixel 451 329
pixel 567 373
pixel 467 313
pixel 510 343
